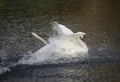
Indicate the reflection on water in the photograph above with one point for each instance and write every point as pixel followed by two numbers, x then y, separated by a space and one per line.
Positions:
pixel 99 19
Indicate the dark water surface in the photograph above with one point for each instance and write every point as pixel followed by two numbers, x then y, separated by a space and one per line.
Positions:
pixel 99 19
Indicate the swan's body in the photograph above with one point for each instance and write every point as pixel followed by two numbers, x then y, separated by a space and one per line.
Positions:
pixel 63 44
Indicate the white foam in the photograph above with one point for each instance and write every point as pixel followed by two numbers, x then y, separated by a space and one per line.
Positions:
pixel 4 69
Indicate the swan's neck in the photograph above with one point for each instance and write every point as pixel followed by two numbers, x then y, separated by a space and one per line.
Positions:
pixel 82 45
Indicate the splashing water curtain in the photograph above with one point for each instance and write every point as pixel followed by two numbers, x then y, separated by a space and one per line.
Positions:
pixel 62 44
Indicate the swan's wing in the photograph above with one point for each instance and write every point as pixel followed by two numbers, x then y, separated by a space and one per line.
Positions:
pixel 59 29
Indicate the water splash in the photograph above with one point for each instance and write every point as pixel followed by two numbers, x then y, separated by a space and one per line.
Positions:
pixel 64 45
pixel 4 69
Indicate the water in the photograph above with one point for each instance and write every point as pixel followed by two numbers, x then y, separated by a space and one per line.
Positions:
pixel 100 20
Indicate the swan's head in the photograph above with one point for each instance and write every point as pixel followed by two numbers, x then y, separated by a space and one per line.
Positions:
pixel 81 35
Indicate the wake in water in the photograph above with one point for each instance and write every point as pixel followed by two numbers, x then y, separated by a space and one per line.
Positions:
pixel 63 44
pixel 3 69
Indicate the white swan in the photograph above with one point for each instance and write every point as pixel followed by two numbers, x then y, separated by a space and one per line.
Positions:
pixel 67 40
pixel 62 44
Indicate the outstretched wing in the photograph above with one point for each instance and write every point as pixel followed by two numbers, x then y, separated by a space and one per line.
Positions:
pixel 60 29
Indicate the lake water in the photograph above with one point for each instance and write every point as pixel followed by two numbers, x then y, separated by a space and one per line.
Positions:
pixel 99 19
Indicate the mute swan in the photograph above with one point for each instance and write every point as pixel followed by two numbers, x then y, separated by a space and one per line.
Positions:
pixel 62 44
pixel 65 36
